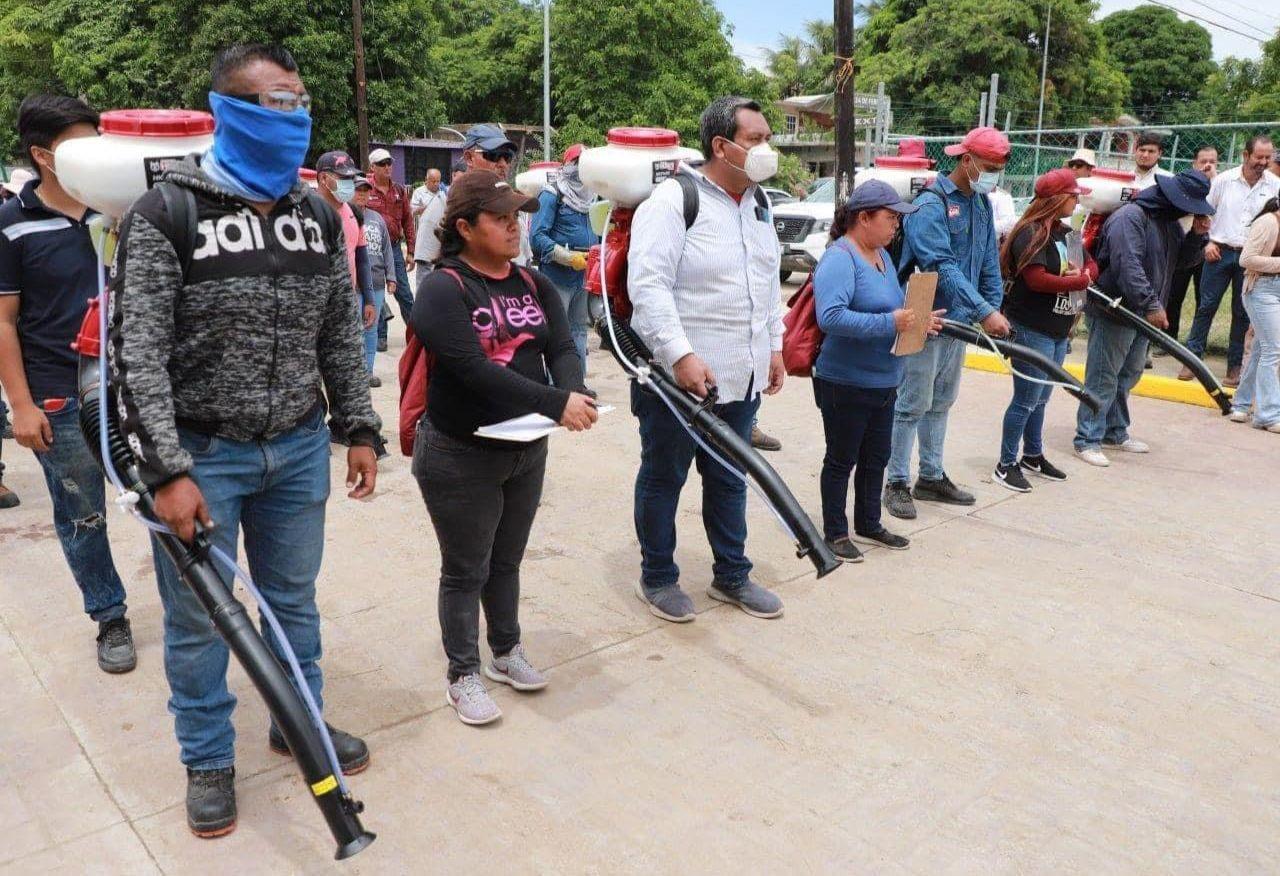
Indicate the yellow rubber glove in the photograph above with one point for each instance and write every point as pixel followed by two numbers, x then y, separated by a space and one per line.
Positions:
pixel 578 261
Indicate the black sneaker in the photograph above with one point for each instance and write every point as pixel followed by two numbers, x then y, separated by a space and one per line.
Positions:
pixel 1011 477
pixel 942 491
pixel 885 538
pixel 115 646
pixel 845 550
pixel 211 802
pixel 1043 467
pixel 353 754
pixel 897 499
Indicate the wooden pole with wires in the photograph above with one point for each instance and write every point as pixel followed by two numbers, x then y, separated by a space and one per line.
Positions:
pixel 362 101
pixel 846 128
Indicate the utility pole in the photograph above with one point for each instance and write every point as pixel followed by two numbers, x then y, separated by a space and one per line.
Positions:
pixel 1044 76
pixel 990 120
pixel 846 127
pixel 546 79
pixel 362 107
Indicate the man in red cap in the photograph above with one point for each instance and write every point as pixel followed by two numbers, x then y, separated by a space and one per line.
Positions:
pixel 561 235
pixel 953 233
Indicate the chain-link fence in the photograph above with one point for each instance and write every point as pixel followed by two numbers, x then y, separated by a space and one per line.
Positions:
pixel 1035 152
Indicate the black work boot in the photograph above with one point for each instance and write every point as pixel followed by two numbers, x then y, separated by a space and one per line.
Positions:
pixel 353 754
pixel 211 802
pixel 115 646
pixel 942 491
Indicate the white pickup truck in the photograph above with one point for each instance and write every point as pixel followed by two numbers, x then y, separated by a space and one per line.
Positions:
pixel 804 228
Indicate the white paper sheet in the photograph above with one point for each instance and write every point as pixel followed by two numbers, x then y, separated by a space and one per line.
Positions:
pixel 524 429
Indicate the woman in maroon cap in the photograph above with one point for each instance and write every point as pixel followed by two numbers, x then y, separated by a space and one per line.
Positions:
pixel 1040 308
pixel 502 350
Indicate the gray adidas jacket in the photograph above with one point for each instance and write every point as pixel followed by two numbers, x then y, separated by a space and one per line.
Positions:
pixel 240 345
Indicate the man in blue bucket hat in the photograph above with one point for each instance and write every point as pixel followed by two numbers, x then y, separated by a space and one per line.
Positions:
pixel 1140 247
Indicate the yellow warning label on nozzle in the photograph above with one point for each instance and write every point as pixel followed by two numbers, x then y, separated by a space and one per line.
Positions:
pixel 324 786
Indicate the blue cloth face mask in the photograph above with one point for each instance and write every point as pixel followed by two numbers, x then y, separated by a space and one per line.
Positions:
pixel 345 190
pixel 985 183
pixel 261 149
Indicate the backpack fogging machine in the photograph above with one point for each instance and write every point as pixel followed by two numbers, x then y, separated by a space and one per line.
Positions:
pixel 625 172
pixel 108 173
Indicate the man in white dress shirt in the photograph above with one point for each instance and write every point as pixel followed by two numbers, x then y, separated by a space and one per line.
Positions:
pixel 707 301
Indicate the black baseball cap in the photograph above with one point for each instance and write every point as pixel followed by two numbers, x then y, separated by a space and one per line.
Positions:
pixel 338 163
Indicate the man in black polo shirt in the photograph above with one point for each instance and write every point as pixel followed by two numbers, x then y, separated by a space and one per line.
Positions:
pixel 48 273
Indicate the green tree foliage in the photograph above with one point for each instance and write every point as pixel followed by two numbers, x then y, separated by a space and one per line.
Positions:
pixel 1168 61
pixel 936 56
pixel 803 64
pixel 1245 88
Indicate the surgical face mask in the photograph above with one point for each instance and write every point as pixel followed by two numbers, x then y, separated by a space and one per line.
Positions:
pixel 986 181
pixel 344 190
pixel 761 162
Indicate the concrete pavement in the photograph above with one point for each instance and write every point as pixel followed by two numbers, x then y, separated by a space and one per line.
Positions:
pixel 1081 679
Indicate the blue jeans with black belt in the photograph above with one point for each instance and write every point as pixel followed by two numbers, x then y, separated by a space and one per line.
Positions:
pixel 666 452
pixel 275 492
pixel 78 491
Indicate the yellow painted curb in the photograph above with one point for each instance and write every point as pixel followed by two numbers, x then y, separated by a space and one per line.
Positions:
pixel 1150 386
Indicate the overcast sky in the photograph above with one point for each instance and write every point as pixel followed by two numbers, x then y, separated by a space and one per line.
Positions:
pixel 757 23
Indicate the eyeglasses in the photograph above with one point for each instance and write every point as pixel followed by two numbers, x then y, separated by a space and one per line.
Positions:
pixel 498 155
pixel 386 162
pixel 282 101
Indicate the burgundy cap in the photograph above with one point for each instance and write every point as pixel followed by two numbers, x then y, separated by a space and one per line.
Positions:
pixel 986 143
pixel 1061 181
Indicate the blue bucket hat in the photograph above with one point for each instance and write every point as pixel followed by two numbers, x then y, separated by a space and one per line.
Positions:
pixel 1187 192
pixel 876 193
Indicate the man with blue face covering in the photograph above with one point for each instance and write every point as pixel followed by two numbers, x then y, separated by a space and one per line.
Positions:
pixel 953 233
pixel 232 309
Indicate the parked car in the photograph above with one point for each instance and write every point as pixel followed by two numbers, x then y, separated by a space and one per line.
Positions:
pixel 804 228
pixel 780 196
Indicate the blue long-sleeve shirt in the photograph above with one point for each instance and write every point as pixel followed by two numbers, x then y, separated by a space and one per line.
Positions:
pixel 955 235
pixel 854 303
pixel 558 223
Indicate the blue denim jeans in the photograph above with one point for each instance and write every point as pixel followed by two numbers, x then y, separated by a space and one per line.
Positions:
pixel 1024 418
pixel 275 492
pixel 574 299
pixel 1259 383
pixel 858 425
pixel 371 333
pixel 1214 280
pixel 930 383
pixel 403 293
pixel 1117 356
pixel 78 491
pixel 666 451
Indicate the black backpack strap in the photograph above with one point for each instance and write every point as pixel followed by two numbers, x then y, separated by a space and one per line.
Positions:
pixel 689 187
pixel 180 206
pixel 762 200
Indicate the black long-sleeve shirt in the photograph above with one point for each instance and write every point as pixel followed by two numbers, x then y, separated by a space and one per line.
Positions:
pixel 495 340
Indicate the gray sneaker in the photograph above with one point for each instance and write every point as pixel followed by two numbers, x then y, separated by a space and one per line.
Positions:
pixel 669 603
pixel 897 499
pixel 115 646
pixel 472 702
pixel 514 669
pixel 748 596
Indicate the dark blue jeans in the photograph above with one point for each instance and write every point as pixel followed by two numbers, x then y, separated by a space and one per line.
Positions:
pixel 78 491
pixel 666 452
pixel 1214 280
pixel 404 294
pixel 1024 418
pixel 275 492
pixel 858 423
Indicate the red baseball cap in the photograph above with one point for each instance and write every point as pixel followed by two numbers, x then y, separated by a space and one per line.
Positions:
pixel 572 153
pixel 986 143
pixel 1061 181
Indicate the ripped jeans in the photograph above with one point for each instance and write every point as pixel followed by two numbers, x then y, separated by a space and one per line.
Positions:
pixel 79 515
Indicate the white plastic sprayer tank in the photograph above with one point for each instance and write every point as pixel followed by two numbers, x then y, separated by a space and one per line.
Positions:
pixel 1109 189
pixel 908 175
pixel 534 180
pixel 112 171
pixel 633 161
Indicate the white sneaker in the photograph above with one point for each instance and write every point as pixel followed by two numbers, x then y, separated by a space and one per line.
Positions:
pixel 1239 417
pixel 472 702
pixel 1131 445
pixel 515 670
pixel 1093 456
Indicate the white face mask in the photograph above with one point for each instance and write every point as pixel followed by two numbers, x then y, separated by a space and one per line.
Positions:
pixel 344 190
pixel 985 182
pixel 761 163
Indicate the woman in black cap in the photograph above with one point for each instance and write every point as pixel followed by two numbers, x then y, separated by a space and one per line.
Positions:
pixel 496 332
pixel 860 308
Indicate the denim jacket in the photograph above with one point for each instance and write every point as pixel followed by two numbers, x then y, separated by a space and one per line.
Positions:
pixel 955 235
pixel 557 222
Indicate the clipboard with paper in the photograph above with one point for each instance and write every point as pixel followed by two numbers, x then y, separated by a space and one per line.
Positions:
pixel 921 287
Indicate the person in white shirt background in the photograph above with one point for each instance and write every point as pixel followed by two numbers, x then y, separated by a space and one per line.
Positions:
pixel 424 193
pixel 1239 195
pixel 1147 153
pixel 428 209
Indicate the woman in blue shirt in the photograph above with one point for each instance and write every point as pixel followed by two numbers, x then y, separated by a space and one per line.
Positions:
pixel 860 309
